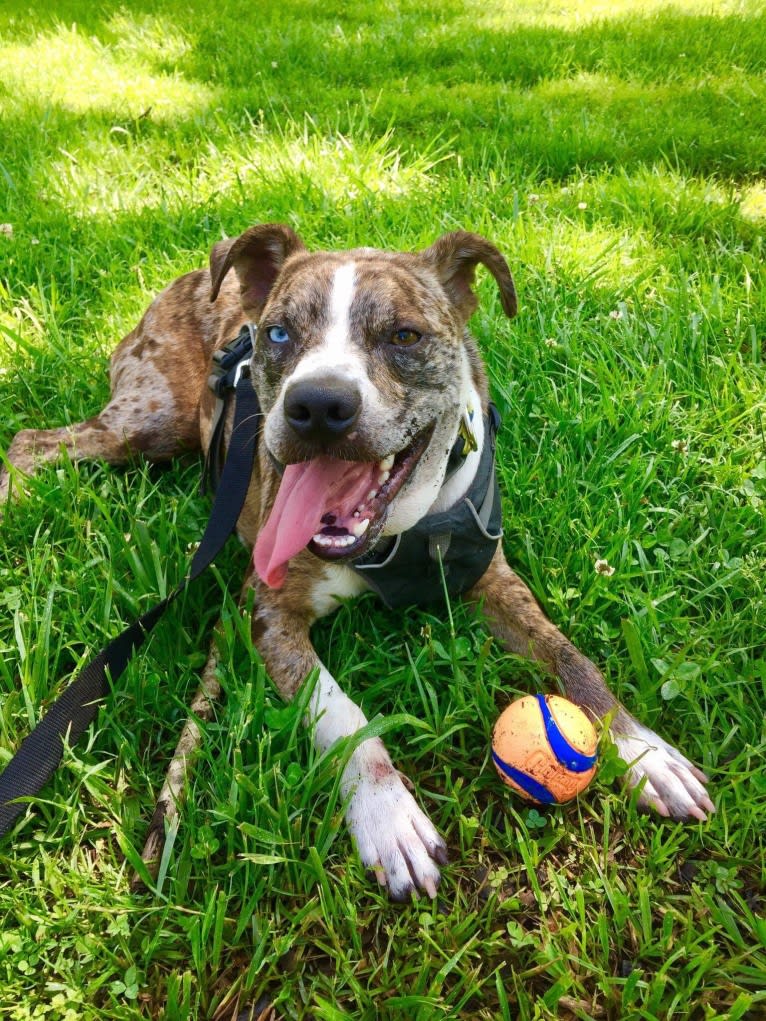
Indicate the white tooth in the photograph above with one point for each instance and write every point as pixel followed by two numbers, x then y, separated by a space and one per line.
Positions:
pixel 322 540
pixel 372 494
pixel 360 528
pixel 387 463
pixel 383 478
pixel 355 514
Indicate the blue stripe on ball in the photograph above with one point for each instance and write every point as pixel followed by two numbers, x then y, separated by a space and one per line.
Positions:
pixel 532 787
pixel 561 748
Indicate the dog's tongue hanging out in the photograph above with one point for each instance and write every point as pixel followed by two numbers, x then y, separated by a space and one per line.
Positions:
pixel 307 493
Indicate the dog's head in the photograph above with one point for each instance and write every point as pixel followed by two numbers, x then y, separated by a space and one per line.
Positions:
pixel 363 371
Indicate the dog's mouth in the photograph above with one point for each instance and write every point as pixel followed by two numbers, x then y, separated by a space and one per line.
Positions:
pixel 334 508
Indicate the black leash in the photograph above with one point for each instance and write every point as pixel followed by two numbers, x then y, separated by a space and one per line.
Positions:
pixel 70 715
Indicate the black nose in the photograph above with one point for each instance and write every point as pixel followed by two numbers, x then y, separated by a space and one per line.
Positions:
pixel 322 410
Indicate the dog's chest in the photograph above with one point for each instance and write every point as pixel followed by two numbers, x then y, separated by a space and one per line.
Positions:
pixel 331 584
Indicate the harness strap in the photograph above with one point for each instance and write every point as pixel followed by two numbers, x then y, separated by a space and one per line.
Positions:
pixel 224 369
pixel 41 751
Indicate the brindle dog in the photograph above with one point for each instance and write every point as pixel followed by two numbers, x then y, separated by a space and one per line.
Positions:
pixel 366 374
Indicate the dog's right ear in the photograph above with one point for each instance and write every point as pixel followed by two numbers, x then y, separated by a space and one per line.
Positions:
pixel 257 257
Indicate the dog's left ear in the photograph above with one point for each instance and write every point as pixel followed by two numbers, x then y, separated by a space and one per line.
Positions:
pixel 454 257
pixel 257 257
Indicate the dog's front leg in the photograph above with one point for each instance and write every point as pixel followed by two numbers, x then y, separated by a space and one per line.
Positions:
pixel 394 837
pixel 672 785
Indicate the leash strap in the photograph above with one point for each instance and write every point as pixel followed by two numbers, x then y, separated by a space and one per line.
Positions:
pixel 70 715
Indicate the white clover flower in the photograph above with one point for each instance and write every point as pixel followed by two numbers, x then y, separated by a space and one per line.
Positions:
pixel 615 314
pixel 605 568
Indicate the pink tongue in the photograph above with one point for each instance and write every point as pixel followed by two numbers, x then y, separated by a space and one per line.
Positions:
pixel 307 492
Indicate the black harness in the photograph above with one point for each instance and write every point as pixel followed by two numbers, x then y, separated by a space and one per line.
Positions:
pixel 406 569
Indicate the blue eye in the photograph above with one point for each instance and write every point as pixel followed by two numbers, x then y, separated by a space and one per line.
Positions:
pixel 277 335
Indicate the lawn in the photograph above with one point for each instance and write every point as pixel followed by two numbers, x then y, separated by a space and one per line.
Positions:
pixel 616 153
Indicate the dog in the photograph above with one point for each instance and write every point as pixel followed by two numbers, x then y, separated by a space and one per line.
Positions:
pixel 375 419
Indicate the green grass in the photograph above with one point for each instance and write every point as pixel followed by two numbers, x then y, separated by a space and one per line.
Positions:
pixel 615 153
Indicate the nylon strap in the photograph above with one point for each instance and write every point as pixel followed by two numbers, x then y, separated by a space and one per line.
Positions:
pixel 70 715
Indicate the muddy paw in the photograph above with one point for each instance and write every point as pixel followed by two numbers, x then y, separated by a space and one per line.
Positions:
pixel 396 840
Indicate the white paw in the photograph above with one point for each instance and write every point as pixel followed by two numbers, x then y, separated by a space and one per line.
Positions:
pixel 394 837
pixel 674 787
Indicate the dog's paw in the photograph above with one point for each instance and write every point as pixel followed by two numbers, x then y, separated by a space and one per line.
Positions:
pixel 395 839
pixel 674 787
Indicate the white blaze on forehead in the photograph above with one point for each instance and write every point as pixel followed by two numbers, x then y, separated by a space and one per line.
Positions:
pixel 336 354
pixel 343 287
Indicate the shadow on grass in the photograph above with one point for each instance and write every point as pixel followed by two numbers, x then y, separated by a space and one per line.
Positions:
pixel 621 91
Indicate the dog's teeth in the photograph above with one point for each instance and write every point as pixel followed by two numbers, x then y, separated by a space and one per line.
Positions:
pixel 387 463
pixel 372 494
pixel 360 528
pixel 383 478
pixel 336 541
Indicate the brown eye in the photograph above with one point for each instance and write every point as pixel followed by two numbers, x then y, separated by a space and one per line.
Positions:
pixel 405 338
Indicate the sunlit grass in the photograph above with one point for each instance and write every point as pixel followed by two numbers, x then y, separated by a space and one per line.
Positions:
pixel 753 203
pixel 573 13
pixel 121 173
pixel 614 153
pixel 81 75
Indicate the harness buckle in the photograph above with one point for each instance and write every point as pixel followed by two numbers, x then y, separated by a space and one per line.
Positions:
pixel 227 362
pixel 242 369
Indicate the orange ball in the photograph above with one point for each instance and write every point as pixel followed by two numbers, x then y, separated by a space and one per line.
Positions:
pixel 545 748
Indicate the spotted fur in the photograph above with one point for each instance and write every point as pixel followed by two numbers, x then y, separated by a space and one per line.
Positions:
pixel 341 311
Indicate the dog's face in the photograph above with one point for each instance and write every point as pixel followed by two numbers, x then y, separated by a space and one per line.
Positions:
pixel 363 372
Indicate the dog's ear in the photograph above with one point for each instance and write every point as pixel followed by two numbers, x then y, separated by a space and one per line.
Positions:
pixel 257 257
pixel 454 257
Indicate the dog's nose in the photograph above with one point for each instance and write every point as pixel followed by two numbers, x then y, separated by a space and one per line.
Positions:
pixel 322 410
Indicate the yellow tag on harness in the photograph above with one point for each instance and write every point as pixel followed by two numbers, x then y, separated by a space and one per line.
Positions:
pixel 466 433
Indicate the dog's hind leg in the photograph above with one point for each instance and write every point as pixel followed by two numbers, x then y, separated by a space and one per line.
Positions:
pixel 120 432
pixel 672 785
pixel 141 419
pixel 157 377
